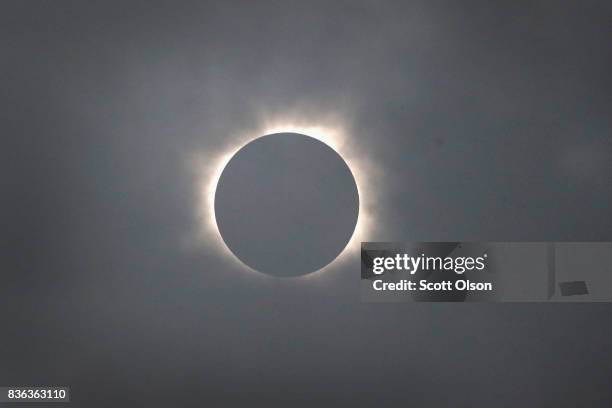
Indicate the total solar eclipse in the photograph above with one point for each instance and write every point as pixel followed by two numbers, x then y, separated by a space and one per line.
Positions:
pixel 286 204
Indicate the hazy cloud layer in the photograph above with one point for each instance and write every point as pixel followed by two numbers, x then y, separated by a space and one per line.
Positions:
pixel 486 121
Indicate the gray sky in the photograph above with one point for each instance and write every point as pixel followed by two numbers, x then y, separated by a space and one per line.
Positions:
pixel 485 120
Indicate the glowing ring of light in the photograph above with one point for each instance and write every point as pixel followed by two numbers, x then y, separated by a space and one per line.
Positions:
pixel 210 171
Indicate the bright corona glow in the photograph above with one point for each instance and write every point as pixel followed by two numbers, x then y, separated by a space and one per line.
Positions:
pixel 210 169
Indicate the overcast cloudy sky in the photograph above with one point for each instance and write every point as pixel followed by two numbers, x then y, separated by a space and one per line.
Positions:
pixel 483 121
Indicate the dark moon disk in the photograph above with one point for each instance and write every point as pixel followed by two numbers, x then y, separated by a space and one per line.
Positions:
pixel 286 204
